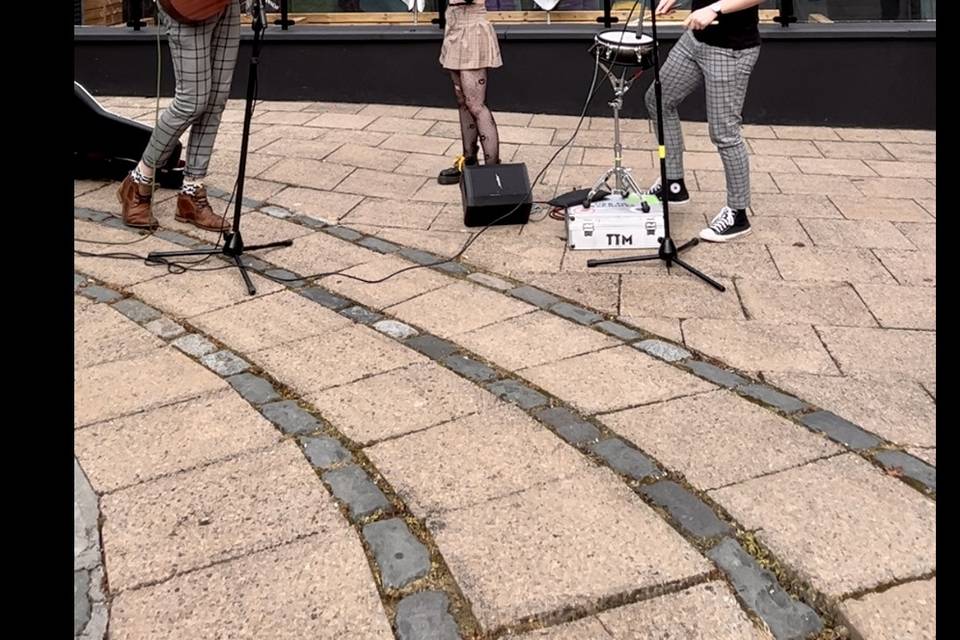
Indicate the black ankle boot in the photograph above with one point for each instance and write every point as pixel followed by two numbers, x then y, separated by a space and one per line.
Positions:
pixel 452 175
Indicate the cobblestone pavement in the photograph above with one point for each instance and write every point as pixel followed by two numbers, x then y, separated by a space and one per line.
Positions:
pixel 509 445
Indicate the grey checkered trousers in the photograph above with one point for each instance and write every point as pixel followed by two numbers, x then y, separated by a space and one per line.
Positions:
pixel 204 57
pixel 725 74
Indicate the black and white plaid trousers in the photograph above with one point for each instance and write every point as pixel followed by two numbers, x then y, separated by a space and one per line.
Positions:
pixel 725 74
pixel 204 57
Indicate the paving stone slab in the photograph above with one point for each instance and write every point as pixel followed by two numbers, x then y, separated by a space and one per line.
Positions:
pixel 617 330
pixel 426 616
pixel 324 452
pixel 470 368
pixel 533 339
pixel 225 510
pixel 225 363
pixel 560 545
pixel 290 417
pixel 311 365
pixel 394 329
pixel 158 378
pixel 352 486
pixel 475 458
pixel 787 618
pixel 909 466
pixel 86 531
pixel 399 282
pixel 569 425
pixel 165 328
pixel 624 459
pixel 840 523
pixel 517 393
pixel 400 556
pixel 137 448
pixel 535 296
pixel 639 379
pixel 690 512
pixel 715 374
pixel 136 310
pixel 432 346
pixel 400 401
pixel 663 350
pixel 897 410
pixel 705 612
pixel 718 438
pixel 325 298
pixel 840 430
pixel 771 396
pixel 270 594
pixel 575 313
pixel 458 308
pixel 905 611
pixel 194 344
pixel 253 388
pixel 101 334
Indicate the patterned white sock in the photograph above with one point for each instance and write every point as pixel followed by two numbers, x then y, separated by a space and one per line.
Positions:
pixel 139 177
pixel 190 187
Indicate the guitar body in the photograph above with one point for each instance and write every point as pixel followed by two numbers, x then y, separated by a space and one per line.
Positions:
pixel 193 11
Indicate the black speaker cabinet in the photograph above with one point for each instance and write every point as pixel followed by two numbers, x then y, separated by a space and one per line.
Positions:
pixel 107 146
pixel 496 194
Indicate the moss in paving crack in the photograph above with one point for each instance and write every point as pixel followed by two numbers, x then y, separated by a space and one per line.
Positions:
pixel 833 633
pixel 791 581
pixel 604 603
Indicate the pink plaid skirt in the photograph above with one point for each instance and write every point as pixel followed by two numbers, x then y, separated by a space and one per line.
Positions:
pixel 469 41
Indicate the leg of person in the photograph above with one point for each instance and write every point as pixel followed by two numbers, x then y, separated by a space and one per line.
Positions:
pixel 189 50
pixel 468 135
pixel 727 74
pixel 679 76
pixel 474 86
pixel 192 205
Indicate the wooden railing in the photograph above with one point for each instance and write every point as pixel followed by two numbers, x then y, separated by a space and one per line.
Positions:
pixel 403 17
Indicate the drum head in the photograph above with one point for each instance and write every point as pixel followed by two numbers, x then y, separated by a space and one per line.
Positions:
pixel 621 38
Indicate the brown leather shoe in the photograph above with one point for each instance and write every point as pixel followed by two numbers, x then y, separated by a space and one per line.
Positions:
pixel 196 210
pixel 135 204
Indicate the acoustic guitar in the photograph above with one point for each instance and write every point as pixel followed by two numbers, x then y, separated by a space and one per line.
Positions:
pixel 193 11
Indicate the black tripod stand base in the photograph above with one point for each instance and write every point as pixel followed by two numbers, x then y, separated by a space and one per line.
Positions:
pixel 233 248
pixel 668 252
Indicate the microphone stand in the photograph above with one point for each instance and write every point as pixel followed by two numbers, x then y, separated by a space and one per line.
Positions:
pixel 668 251
pixel 233 247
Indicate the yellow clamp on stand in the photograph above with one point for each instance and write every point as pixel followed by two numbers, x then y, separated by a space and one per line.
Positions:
pixel 662 151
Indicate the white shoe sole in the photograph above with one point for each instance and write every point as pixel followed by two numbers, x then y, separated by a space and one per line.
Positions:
pixel 710 236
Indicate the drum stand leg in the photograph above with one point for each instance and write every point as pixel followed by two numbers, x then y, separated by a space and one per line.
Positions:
pixel 624 183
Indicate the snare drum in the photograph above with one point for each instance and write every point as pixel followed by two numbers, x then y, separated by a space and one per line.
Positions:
pixel 619 47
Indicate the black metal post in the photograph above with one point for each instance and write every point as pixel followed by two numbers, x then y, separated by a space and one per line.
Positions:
pixel 787 15
pixel 284 22
pixel 441 19
pixel 135 14
pixel 608 19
